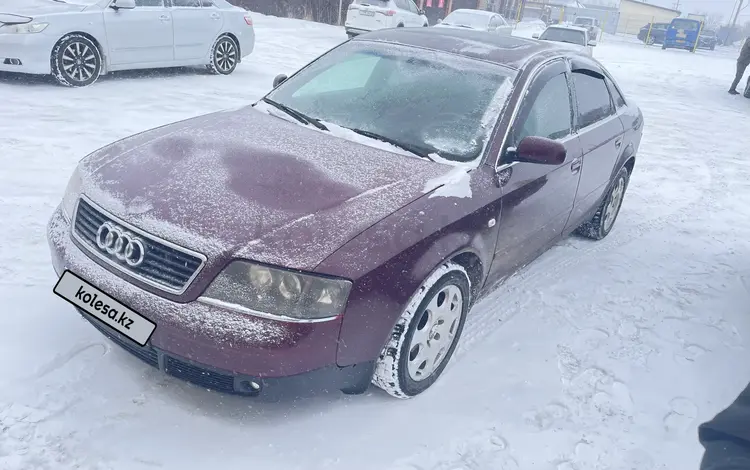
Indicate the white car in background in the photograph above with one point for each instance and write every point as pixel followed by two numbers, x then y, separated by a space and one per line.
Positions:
pixel 572 37
pixel 369 15
pixel 477 19
pixel 77 41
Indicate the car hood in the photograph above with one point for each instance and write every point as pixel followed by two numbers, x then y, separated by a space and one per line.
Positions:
pixel 246 184
pixel 33 8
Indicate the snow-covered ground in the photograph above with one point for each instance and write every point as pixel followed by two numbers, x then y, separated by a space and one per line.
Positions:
pixel 597 356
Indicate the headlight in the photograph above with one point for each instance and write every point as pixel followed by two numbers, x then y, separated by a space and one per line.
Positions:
pixel 278 293
pixel 27 28
pixel 72 191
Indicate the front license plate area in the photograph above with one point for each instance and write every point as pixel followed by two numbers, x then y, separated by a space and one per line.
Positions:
pixel 104 308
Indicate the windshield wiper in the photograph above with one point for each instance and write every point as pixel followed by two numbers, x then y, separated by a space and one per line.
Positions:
pixel 304 119
pixel 408 147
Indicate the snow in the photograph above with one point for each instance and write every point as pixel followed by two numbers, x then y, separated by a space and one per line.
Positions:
pixel 456 183
pixel 598 355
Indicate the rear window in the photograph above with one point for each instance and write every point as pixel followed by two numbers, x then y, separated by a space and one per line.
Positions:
pixel 687 25
pixel 571 36
pixel 584 21
pixel 465 18
pixel 375 3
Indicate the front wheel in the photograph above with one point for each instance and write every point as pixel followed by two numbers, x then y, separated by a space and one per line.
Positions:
pixel 76 61
pixel 426 334
pixel 225 55
pixel 601 224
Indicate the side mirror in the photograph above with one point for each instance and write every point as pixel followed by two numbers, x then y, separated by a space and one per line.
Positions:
pixel 280 78
pixel 541 150
pixel 439 20
pixel 123 4
pixel 592 43
pixel 535 36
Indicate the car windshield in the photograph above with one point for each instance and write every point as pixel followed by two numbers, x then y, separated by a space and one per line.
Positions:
pixel 564 35
pixel 584 21
pixel 433 104
pixel 687 25
pixel 463 18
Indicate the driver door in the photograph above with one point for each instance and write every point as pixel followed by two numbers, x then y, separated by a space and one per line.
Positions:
pixel 142 35
pixel 538 199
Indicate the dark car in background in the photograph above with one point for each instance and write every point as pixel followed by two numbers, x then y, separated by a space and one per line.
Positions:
pixel 653 34
pixel 708 39
pixel 337 232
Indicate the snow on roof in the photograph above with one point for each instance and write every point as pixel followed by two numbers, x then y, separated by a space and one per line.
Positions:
pixel 567 26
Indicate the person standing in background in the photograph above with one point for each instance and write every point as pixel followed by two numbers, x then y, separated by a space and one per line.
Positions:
pixel 742 62
pixel 726 437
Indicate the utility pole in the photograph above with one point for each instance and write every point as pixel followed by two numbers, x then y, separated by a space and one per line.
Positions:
pixel 677 5
pixel 734 22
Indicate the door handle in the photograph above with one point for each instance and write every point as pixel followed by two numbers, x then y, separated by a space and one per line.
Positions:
pixel 575 165
pixel 215 16
pixel 164 18
pixel 618 143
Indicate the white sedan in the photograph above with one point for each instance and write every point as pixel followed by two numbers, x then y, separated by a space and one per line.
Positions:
pixel 77 41
pixel 572 37
pixel 477 19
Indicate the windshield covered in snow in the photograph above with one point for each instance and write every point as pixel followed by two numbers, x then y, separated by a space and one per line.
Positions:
pixel 447 105
pixel 465 18
pixel 584 21
pixel 571 36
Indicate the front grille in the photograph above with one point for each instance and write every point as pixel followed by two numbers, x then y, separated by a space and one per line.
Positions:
pixel 164 265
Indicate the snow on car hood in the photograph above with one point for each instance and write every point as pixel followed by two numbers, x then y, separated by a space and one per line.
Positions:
pixel 246 184
pixel 33 8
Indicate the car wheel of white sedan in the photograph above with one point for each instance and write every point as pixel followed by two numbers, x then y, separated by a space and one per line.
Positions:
pixel 76 61
pixel 225 56
pixel 426 334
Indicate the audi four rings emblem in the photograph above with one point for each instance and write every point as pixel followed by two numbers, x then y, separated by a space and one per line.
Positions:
pixel 123 245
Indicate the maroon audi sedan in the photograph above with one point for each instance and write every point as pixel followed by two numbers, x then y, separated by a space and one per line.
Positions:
pixel 337 232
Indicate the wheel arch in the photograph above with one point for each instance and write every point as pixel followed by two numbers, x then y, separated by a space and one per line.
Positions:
pixel 236 40
pixel 99 45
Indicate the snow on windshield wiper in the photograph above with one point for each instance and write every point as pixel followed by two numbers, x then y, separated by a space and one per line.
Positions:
pixel 408 147
pixel 304 119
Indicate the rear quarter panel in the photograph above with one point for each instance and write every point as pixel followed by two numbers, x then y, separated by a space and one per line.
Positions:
pixel 234 23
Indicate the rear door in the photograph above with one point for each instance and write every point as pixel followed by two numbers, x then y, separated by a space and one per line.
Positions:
pixel 537 199
pixel 601 134
pixel 197 24
pixel 142 35
pixel 415 19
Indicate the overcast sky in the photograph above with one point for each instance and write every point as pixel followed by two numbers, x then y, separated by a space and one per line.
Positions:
pixel 724 7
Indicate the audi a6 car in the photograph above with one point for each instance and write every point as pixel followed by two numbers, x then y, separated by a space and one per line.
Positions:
pixel 77 41
pixel 338 231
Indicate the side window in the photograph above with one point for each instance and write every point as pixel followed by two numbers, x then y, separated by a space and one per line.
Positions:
pixel 413 7
pixel 350 74
pixel 503 22
pixel 207 3
pixel 186 3
pixel 616 95
pixel 594 102
pixel 550 113
pixel 149 3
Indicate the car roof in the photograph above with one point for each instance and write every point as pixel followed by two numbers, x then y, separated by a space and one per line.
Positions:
pixel 509 51
pixel 566 26
pixel 474 12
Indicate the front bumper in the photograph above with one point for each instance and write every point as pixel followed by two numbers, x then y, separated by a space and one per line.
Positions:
pixel 26 53
pixel 214 347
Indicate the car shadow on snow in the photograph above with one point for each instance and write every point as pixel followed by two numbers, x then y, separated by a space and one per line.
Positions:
pixel 21 79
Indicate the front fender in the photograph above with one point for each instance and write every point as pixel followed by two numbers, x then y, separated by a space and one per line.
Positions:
pixel 390 260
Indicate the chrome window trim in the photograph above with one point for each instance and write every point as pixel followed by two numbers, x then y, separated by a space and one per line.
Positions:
pixel 143 233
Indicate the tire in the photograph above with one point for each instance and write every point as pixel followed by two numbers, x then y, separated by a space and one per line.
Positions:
pixel 448 288
pixel 664 46
pixel 601 224
pixel 651 41
pixel 225 55
pixel 400 25
pixel 76 61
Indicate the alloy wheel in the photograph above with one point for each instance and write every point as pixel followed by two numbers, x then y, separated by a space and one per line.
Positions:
pixel 226 55
pixel 614 203
pixel 78 62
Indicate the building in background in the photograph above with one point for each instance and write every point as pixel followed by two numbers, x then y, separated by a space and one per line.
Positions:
pixel 636 14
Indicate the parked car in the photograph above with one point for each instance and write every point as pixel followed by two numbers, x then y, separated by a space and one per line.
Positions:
pixel 682 33
pixel 363 16
pixel 707 39
pixel 77 41
pixel 477 19
pixel 572 37
pixel 655 35
pixel 338 231
pixel 591 24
